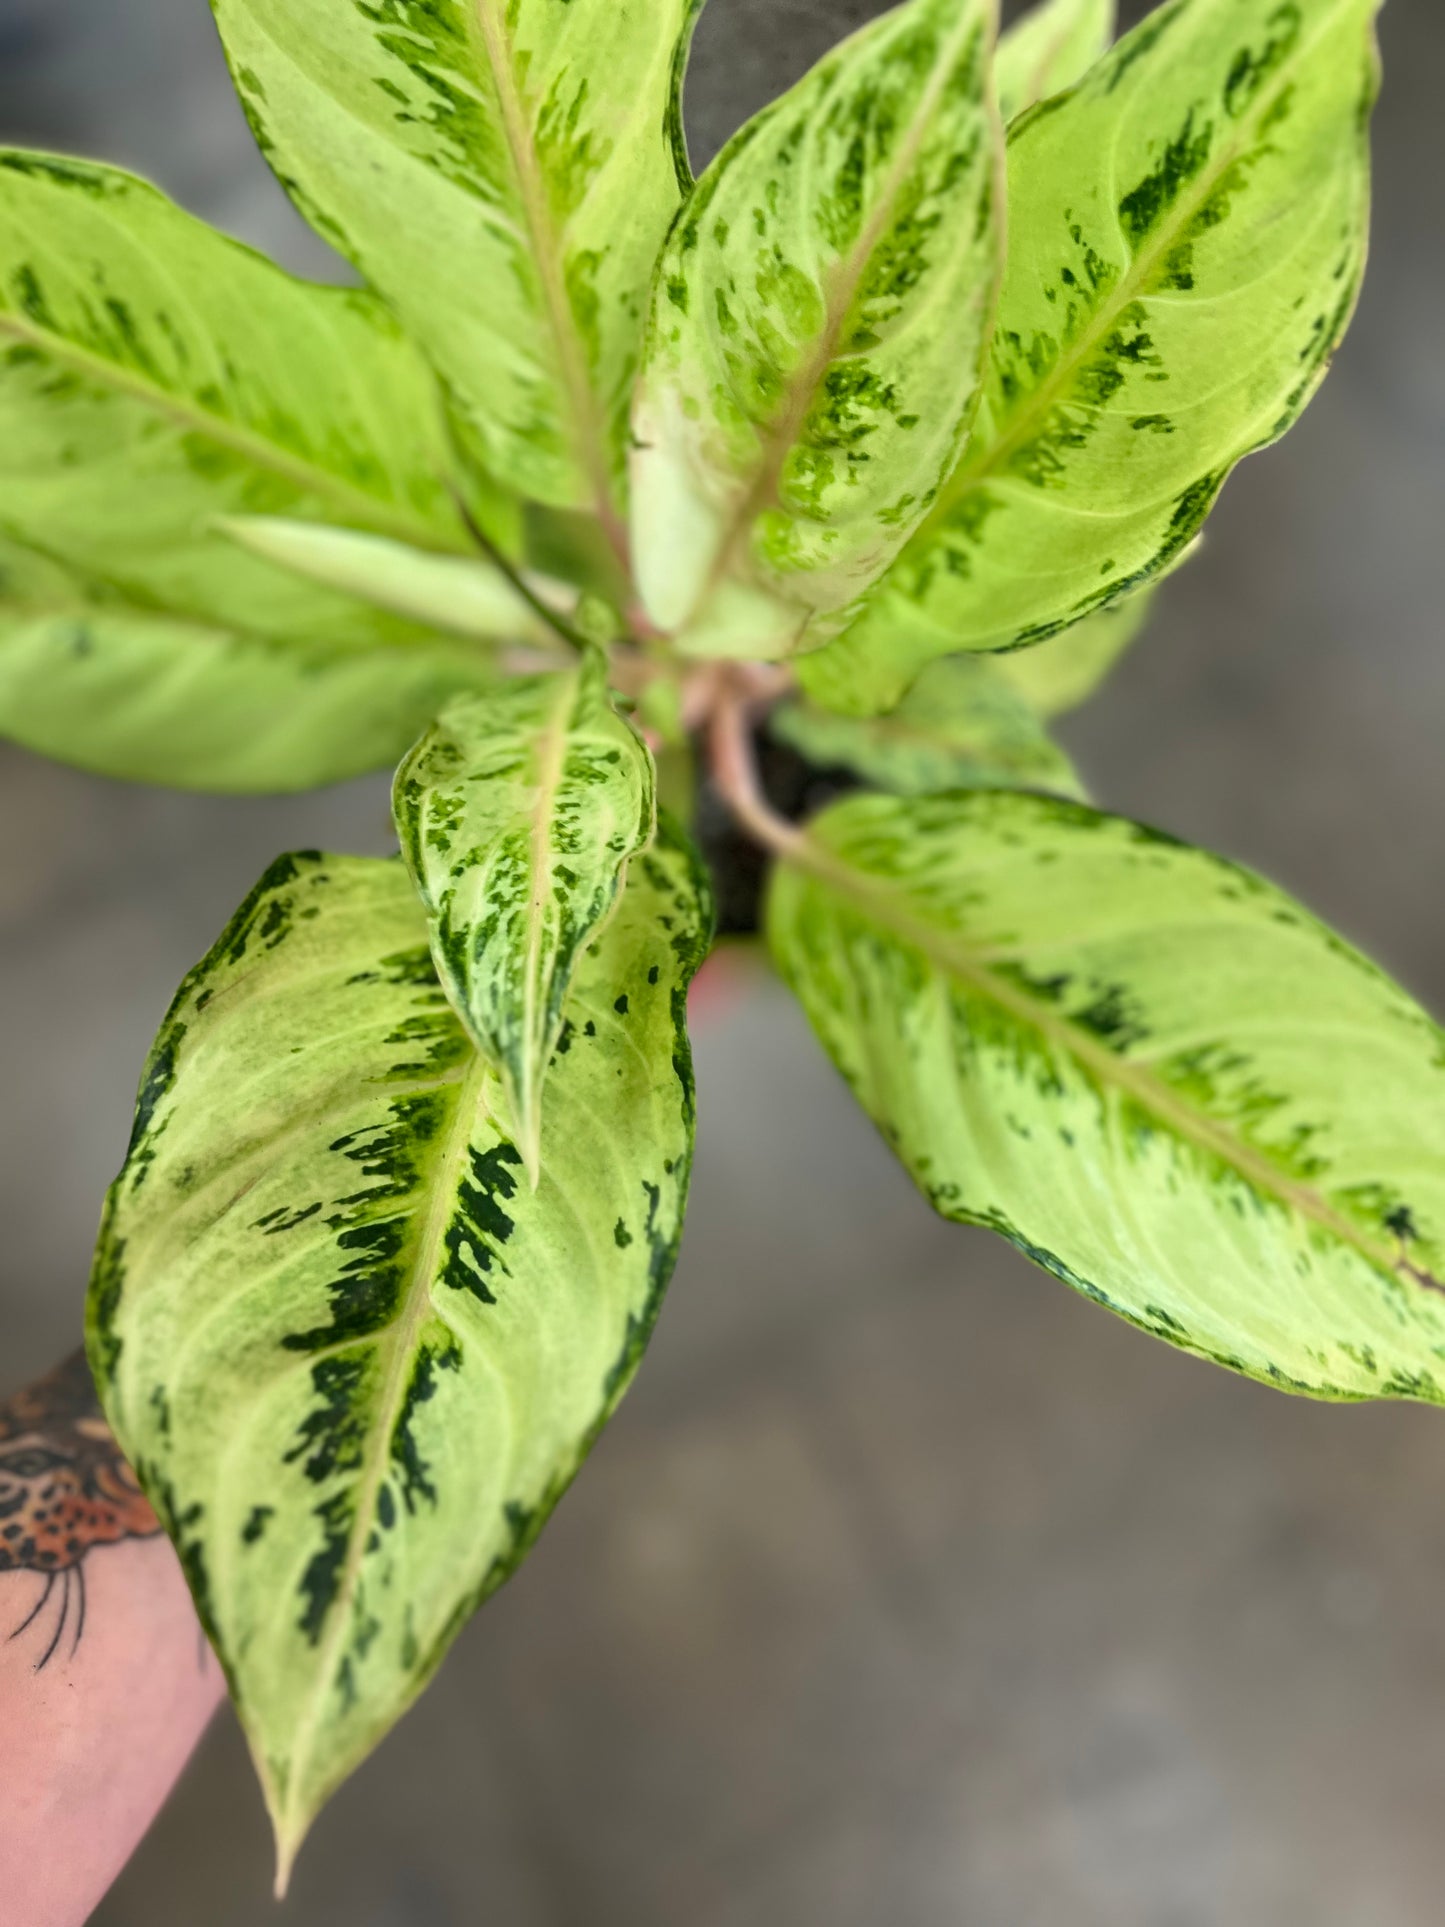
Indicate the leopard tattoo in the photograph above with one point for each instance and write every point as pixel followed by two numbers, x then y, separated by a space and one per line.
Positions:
pixel 65 1488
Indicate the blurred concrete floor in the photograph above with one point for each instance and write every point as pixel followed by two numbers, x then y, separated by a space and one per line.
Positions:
pixel 906 1588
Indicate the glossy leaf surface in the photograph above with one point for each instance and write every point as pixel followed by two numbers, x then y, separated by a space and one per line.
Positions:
pixel 961 726
pixel 1052 47
pixel 1186 240
pixel 819 319
pixel 1148 1068
pixel 112 685
pixel 504 175
pixel 518 814
pixel 354 1359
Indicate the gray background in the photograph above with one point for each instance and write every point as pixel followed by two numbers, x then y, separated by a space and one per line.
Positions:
pixel 907 1588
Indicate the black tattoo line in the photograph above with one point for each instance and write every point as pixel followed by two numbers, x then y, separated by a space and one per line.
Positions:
pixel 65 1488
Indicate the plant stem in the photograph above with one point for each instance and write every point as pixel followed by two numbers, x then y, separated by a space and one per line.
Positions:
pixel 734 771
pixel 557 623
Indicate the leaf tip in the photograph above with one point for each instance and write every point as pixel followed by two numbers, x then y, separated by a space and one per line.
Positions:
pixel 289 1840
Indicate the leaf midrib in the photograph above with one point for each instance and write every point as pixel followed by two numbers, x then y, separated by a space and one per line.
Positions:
pixel 188 414
pixel 889 905
pixel 585 427
pixel 841 286
pixel 400 1339
pixel 1129 288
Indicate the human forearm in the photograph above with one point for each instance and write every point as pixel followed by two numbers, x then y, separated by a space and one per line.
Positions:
pixel 105 1680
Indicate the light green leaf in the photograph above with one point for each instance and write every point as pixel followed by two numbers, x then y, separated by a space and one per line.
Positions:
pixel 819 319
pixel 504 174
pixel 1050 677
pixel 155 376
pixel 1050 48
pixel 961 726
pixel 1059 674
pixel 1148 1068
pixel 353 1358
pixel 450 592
pixel 1186 239
pixel 114 686
pixel 518 814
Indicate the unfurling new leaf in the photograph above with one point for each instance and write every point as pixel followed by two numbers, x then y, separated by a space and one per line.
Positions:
pixel 1148 1068
pixel 819 317
pixel 353 1357
pixel 1186 240
pixel 519 812
pixel 460 595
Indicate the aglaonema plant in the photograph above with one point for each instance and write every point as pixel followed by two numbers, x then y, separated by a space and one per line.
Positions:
pixel 871 442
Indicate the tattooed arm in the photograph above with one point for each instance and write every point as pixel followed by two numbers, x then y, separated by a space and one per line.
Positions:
pixel 105 1681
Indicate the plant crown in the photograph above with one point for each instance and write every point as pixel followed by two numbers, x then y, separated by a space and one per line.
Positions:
pixel 876 439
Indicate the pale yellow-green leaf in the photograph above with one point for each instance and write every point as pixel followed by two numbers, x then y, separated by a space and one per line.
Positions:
pixel 155 375
pixel 1186 240
pixel 1059 674
pixel 504 174
pixel 519 812
pixel 1050 48
pixel 1150 1069
pixel 961 726
pixel 112 685
pixel 819 319
pixel 354 1359
pixel 1052 676
pixel 454 593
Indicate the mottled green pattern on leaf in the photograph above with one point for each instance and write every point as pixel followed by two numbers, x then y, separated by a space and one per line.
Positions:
pixel 154 375
pixel 354 1359
pixel 961 726
pixel 504 175
pixel 518 814
pixel 819 318
pixel 1050 48
pixel 96 679
pixel 1150 1069
pixel 1186 241
pixel 1051 676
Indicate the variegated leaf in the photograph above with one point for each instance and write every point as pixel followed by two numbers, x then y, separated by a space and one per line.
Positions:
pixel 518 814
pixel 1050 676
pixel 1186 239
pixel 354 1359
pixel 117 686
pixel 504 174
pixel 819 319
pixel 154 376
pixel 1148 1068
pixel 961 726
pixel 1052 47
